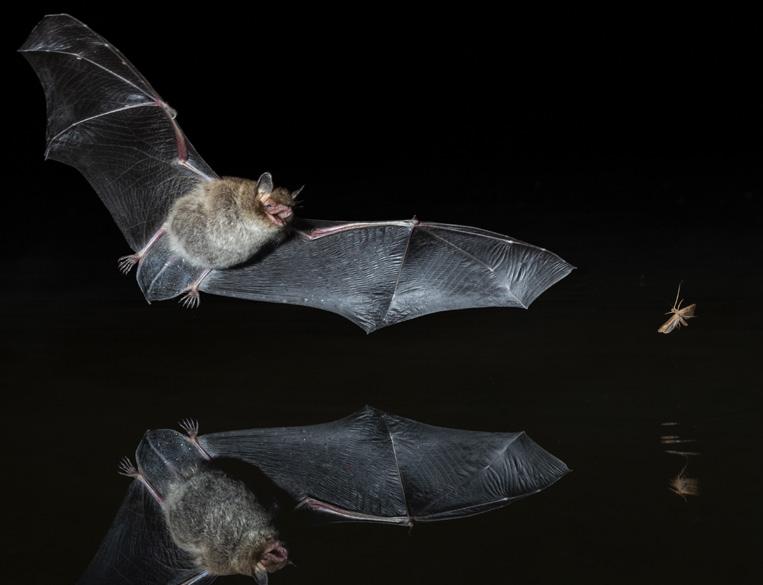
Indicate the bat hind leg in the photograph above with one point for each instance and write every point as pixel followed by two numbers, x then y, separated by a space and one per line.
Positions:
pixel 191 428
pixel 127 469
pixel 192 298
pixel 125 263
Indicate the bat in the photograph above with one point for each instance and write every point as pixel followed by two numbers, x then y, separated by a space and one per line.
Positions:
pixel 184 520
pixel 678 316
pixel 107 121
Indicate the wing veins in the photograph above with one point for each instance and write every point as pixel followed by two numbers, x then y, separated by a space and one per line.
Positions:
pixel 101 115
pixel 492 270
pixel 106 69
pixel 397 466
pixel 399 274
pixel 159 273
pixel 479 475
pixel 464 252
pixel 328 508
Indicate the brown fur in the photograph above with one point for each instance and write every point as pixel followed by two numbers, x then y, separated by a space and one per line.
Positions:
pixel 222 223
pixel 222 525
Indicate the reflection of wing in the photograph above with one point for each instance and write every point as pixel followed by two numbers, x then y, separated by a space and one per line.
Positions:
pixel 138 549
pixel 107 121
pixel 376 467
pixel 370 466
pixel 378 274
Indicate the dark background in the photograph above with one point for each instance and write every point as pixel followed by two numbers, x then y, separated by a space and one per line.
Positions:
pixel 628 144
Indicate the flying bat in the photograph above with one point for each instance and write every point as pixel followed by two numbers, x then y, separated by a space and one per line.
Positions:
pixel 191 231
pixel 185 520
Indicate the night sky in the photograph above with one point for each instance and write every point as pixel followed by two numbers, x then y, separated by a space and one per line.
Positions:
pixel 630 145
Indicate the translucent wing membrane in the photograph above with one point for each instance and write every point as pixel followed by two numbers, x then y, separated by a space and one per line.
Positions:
pixel 367 467
pixel 138 549
pixel 376 467
pixel 379 274
pixel 107 121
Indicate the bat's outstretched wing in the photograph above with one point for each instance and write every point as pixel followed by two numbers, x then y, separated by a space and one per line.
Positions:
pixel 379 274
pixel 138 548
pixel 375 467
pixel 107 121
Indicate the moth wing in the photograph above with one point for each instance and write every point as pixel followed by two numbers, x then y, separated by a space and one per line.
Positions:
pixel 669 325
pixel 688 311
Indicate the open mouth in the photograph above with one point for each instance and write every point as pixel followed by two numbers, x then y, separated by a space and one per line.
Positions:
pixel 279 214
pixel 275 557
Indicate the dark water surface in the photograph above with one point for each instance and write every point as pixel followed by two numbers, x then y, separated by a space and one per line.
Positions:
pixel 638 163
pixel 583 372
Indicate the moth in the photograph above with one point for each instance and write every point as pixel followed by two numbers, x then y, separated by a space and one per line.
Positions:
pixel 678 315
pixel 684 486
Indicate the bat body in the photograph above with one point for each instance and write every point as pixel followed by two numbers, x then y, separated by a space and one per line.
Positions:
pixel 678 316
pixel 106 120
pixel 219 523
pixel 223 222
pixel 370 467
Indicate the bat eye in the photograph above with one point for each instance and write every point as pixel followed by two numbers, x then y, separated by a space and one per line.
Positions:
pixel 268 205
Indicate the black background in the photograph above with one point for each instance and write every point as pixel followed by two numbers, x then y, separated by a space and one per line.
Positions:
pixel 627 143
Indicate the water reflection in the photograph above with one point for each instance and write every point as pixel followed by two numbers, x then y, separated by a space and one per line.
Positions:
pixel 682 485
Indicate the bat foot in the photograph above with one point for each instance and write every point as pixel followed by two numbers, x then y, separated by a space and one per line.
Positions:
pixel 190 427
pixel 127 468
pixel 191 299
pixel 125 263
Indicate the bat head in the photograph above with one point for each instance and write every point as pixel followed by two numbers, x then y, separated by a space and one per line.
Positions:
pixel 275 558
pixel 274 203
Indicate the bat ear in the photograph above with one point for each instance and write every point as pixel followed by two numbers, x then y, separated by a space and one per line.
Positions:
pixel 265 184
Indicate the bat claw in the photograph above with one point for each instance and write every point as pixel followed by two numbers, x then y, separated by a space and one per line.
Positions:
pixel 190 426
pixel 191 299
pixel 127 468
pixel 125 263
